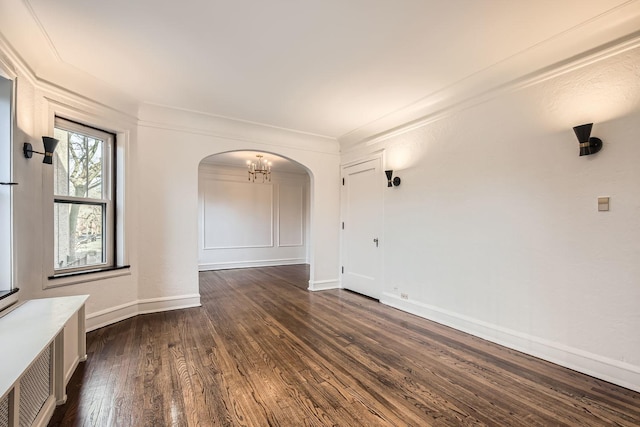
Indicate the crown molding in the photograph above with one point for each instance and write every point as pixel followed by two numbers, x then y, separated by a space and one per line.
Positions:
pixel 610 34
pixel 52 47
pixel 580 61
pixel 52 92
pixel 198 123
pixel 14 63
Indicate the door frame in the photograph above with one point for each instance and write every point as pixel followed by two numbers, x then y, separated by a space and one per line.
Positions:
pixel 380 156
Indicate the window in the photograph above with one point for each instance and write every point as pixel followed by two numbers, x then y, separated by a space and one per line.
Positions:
pixel 84 195
pixel 6 118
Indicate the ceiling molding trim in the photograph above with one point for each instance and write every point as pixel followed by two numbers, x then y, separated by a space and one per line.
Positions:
pixel 14 62
pixel 197 123
pixel 236 120
pixel 44 32
pixel 445 109
pixel 63 96
pixel 6 69
pixel 230 137
pixel 51 91
pixel 83 109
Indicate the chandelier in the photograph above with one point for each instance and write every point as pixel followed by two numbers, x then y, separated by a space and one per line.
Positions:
pixel 260 167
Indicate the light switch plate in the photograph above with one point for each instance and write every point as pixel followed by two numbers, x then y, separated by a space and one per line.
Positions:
pixel 603 204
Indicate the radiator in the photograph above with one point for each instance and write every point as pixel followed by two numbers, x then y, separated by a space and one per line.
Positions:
pixel 35 388
pixel 4 411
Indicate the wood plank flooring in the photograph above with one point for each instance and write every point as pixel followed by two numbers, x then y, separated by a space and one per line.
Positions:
pixel 263 351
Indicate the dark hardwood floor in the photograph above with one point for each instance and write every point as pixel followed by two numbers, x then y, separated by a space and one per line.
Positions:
pixel 263 351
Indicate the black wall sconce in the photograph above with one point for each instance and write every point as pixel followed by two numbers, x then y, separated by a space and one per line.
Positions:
pixel 49 148
pixel 588 144
pixel 392 181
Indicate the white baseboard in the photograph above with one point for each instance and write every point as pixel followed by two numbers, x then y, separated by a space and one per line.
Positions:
pixel 153 305
pixel 614 371
pixel 323 285
pixel 248 264
pixel 46 412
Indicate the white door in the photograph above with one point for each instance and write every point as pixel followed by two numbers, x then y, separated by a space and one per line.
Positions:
pixel 362 223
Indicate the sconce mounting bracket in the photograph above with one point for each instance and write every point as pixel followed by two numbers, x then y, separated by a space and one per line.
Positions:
pixel 27 149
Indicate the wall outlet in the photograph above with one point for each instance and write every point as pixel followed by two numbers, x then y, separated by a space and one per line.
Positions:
pixel 404 296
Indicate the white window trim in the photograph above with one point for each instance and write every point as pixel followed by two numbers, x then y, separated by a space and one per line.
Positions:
pixel 87 115
pixel 106 200
pixel 6 174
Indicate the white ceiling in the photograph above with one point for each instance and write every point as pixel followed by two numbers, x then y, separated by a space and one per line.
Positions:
pixel 339 68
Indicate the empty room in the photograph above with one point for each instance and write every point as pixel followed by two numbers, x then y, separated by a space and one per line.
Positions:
pixel 320 213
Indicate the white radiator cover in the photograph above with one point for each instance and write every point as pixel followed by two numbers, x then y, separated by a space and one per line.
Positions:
pixel 35 388
pixel 49 341
pixel 4 412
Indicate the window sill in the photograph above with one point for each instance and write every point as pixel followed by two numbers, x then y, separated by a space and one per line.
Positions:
pixel 8 299
pixel 73 278
pixel 7 294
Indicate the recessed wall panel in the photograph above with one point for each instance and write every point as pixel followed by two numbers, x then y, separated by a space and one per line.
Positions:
pixel 291 216
pixel 237 215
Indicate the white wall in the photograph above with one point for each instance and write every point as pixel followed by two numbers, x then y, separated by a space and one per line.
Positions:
pixel 495 229
pixel 247 224
pixel 174 143
pixel 36 103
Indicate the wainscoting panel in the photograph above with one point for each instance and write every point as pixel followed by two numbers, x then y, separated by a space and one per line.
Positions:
pixel 291 215
pixel 237 215
pixel 244 224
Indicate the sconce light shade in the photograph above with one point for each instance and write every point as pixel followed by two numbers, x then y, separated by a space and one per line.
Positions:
pixel 389 175
pixel 583 132
pixel 391 182
pixel 49 147
pixel 588 145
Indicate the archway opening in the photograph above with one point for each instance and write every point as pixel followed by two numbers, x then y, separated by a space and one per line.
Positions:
pixel 253 216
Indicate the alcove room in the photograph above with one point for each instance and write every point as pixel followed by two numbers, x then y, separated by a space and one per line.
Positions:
pixel 363 213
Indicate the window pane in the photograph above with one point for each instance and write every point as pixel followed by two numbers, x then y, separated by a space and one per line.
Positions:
pixel 78 236
pixel 78 165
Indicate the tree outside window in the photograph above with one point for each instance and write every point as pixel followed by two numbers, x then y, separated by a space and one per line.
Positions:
pixel 82 197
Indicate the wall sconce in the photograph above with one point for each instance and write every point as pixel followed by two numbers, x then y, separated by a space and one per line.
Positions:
pixel 391 182
pixel 49 148
pixel 588 145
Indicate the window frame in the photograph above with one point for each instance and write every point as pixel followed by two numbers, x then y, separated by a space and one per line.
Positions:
pixel 108 194
pixel 117 124
pixel 8 290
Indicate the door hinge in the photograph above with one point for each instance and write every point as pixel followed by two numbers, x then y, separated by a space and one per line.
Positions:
pixel 343 269
pixel 342 181
pixel 343 225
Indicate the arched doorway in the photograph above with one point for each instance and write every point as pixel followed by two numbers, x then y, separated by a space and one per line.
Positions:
pixel 252 221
